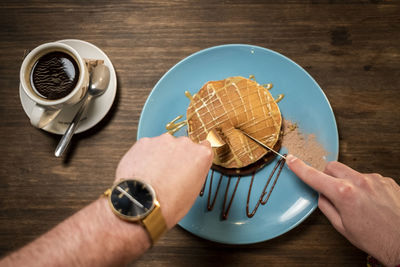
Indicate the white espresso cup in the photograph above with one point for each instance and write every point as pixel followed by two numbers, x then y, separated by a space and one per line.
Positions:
pixel 46 109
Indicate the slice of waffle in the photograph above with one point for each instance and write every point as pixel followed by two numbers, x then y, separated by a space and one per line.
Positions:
pixel 231 104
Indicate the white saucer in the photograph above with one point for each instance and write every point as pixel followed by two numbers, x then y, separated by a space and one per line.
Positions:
pixel 98 107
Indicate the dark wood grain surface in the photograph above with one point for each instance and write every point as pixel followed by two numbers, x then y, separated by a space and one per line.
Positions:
pixel 351 48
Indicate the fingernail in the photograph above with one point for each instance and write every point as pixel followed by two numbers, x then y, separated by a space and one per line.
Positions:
pixel 290 158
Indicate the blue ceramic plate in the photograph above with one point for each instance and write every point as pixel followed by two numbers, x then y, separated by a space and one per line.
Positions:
pixel 291 200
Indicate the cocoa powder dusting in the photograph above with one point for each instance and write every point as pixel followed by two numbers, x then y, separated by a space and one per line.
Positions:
pixel 303 146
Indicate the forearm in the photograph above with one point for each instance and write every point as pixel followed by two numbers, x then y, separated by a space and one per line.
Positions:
pixel 94 236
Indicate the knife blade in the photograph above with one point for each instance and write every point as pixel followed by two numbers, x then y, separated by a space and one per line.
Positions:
pixel 262 144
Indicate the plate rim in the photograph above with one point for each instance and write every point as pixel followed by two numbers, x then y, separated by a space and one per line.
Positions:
pixel 331 113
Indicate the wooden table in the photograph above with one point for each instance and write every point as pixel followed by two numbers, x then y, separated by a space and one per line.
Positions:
pixel 351 49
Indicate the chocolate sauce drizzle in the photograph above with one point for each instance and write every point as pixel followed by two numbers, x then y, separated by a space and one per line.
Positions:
pixel 261 200
pixel 226 206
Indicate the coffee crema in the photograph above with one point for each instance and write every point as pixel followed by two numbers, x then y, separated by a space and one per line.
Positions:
pixel 54 75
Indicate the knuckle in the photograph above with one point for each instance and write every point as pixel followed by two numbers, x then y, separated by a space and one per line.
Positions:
pixel 394 184
pixel 376 178
pixel 346 191
pixel 389 181
pixel 386 182
pixel 376 175
pixel 204 154
pixel 362 181
pixel 208 153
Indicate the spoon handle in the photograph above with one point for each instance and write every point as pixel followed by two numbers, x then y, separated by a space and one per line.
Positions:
pixel 64 142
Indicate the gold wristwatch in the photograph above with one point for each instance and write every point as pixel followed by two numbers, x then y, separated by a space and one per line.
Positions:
pixel 135 201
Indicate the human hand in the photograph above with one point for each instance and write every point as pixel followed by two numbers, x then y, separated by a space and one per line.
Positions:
pixel 175 167
pixel 365 208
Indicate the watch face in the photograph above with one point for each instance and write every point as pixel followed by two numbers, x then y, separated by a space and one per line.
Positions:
pixel 132 199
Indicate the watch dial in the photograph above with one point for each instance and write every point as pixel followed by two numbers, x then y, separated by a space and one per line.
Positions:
pixel 132 198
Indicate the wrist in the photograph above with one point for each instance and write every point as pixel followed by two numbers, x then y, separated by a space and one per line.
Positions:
pixel 134 201
pixel 126 236
pixel 165 207
pixel 167 210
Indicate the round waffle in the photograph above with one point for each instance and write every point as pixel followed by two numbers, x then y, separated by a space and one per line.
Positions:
pixel 230 106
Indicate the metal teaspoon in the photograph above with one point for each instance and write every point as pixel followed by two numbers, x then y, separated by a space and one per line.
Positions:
pixel 99 81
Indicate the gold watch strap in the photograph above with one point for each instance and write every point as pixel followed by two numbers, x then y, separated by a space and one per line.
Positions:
pixel 155 223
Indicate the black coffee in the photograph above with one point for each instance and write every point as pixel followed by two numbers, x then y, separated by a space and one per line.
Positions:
pixel 54 75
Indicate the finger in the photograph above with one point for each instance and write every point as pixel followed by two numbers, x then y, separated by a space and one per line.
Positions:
pixel 339 170
pixel 319 181
pixel 331 213
pixel 207 144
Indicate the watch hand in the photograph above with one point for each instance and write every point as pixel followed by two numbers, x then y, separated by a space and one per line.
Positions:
pixel 130 197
